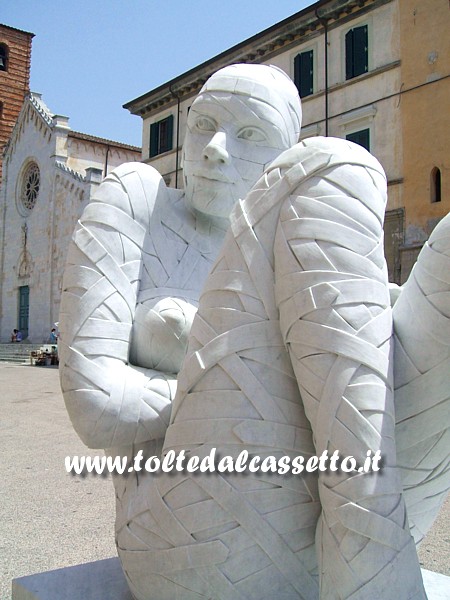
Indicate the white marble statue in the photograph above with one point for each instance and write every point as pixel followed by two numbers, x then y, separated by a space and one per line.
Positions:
pixel 289 353
pixel 422 381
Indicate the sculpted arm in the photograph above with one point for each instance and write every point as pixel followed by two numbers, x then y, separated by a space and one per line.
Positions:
pixel 110 402
pixel 335 317
pixel 422 381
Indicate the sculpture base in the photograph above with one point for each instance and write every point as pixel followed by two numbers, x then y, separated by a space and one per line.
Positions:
pixel 99 580
pixel 104 580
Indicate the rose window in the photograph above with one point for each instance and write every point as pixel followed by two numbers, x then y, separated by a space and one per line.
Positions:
pixel 30 186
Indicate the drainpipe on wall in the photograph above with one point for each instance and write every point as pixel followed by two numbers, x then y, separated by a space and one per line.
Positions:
pixel 324 23
pixel 178 134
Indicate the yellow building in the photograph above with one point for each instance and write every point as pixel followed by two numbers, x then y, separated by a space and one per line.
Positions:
pixel 372 71
pixel 425 111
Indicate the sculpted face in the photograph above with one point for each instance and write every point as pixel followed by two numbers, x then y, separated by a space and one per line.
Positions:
pixel 231 138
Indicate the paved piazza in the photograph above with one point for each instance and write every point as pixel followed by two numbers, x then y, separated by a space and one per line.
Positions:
pixel 50 519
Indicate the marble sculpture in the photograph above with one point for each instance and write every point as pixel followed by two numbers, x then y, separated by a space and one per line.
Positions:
pixel 252 311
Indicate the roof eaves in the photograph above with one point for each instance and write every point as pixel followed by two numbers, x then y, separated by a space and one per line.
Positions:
pixel 16 29
pixel 104 141
pixel 235 52
pixel 250 50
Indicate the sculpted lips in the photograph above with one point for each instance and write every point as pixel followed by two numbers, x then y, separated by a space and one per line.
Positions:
pixel 212 176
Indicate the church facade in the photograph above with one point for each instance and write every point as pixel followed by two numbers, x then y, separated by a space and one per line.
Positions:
pixel 49 175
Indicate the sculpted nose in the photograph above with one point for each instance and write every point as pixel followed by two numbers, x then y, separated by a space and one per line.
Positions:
pixel 216 150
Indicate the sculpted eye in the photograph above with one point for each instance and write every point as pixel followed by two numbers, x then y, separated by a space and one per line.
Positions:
pixel 252 134
pixel 205 124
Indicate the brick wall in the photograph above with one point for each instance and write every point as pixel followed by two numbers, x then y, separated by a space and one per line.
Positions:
pixel 14 81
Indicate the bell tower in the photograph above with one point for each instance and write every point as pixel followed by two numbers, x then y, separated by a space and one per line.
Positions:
pixel 15 62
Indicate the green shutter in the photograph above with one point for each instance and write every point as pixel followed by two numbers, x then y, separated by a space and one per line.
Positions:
pixel 360 51
pixel 154 139
pixel 306 75
pixel 356 52
pixel 360 137
pixel 161 136
pixel 303 73
pixel 349 55
pixel 297 71
pixel 169 139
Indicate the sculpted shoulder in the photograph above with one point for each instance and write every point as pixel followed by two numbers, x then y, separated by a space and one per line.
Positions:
pixel 319 152
pixel 133 188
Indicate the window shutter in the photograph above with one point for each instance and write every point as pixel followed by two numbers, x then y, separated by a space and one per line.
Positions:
pixel 154 139
pixel 304 73
pixel 360 137
pixel 297 71
pixel 360 50
pixel 349 55
pixel 161 136
pixel 169 138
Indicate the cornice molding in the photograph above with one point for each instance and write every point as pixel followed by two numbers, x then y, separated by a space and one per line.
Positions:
pixel 260 48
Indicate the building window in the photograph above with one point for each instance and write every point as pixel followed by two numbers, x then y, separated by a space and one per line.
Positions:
pixel 304 73
pixel 361 137
pixel 3 57
pixel 161 134
pixel 356 52
pixel 435 185
pixel 30 186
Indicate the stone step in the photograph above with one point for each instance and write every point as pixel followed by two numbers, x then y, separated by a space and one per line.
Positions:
pixel 24 360
pixel 18 353
pixel 19 347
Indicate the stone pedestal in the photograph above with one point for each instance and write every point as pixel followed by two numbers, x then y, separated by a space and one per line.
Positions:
pixel 104 580
pixel 100 580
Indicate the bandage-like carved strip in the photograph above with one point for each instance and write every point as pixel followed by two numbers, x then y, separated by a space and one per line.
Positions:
pixel 216 350
pixel 422 395
pixel 356 531
pixel 106 258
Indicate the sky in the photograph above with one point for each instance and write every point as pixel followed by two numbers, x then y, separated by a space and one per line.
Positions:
pixel 89 57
